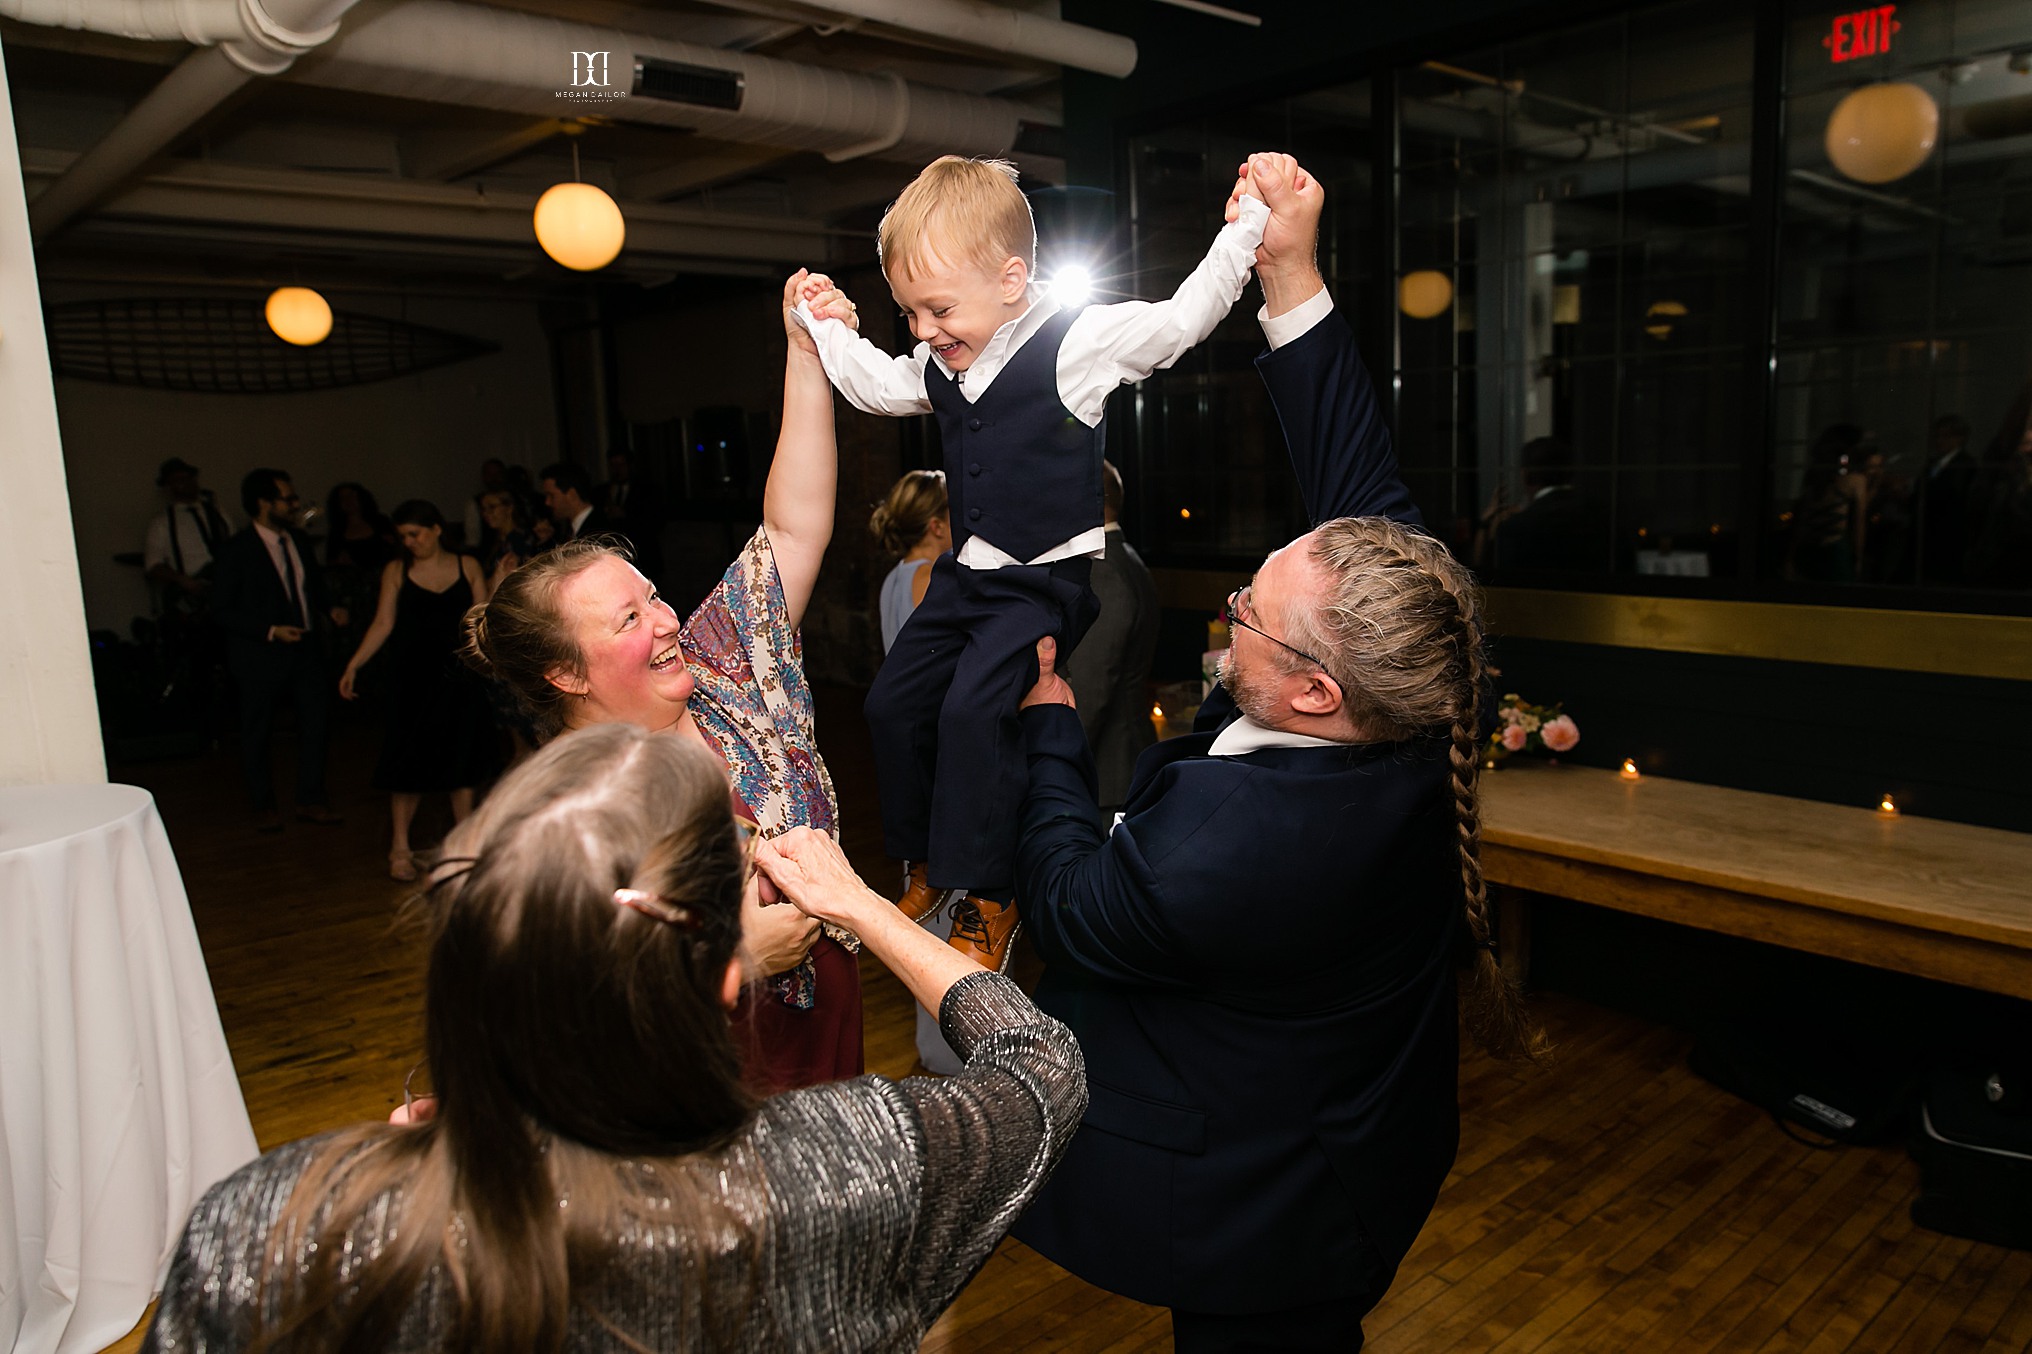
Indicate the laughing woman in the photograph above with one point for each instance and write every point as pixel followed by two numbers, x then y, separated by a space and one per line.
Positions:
pixel 578 637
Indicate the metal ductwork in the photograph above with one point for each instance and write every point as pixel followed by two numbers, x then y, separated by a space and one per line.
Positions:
pixel 252 37
pixel 444 51
pixel 977 25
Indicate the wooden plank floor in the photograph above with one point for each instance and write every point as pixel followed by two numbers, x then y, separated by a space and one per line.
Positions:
pixel 1611 1202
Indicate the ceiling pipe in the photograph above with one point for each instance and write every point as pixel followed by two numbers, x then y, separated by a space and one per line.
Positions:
pixel 446 51
pixel 979 25
pixel 252 37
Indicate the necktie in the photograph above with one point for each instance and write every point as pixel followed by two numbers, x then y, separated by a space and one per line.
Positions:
pixel 289 582
pixel 204 532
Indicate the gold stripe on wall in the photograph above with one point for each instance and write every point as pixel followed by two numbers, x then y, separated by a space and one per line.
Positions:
pixel 1863 637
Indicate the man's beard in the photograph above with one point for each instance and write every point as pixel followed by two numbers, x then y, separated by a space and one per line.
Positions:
pixel 1250 697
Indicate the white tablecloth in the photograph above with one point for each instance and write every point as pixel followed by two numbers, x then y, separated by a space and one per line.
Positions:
pixel 118 1103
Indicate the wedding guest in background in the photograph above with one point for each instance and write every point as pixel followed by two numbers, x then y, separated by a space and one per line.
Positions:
pixel 508 537
pixel 1110 674
pixel 184 538
pixel 636 511
pixel 437 738
pixel 586 933
pixel 273 609
pixel 1830 525
pixel 357 533
pixel 913 522
pixel 1556 528
pixel 568 499
pixel 493 477
pixel 578 637
pixel 1945 497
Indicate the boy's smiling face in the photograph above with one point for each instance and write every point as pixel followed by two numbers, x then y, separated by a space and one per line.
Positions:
pixel 957 307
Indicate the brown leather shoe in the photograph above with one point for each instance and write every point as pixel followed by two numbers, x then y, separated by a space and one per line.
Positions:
pixel 985 932
pixel 919 898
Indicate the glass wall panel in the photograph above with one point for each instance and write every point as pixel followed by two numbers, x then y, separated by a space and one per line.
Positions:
pixel 1585 192
pixel 1904 346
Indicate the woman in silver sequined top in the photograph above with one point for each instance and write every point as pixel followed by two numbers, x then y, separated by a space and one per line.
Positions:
pixel 596 1177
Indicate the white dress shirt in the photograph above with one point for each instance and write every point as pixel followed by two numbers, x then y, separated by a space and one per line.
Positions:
pixel 1104 348
pixel 283 562
pixel 578 520
pixel 189 542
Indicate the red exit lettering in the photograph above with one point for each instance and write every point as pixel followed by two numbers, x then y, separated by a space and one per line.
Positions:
pixel 1866 32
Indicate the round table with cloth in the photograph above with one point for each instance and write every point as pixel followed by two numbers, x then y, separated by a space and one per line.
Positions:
pixel 118 1103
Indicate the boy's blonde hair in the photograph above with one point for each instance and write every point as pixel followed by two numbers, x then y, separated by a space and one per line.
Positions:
pixel 962 211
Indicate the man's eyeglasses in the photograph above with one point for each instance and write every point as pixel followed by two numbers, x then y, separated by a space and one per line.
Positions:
pixel 671 914
pixel 1238 602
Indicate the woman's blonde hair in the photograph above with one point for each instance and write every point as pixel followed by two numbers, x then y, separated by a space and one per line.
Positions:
pixel 961 211
pixel 1398 627
pixel 915 501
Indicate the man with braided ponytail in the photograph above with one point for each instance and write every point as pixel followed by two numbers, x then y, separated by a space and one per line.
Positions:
pixel 1261 957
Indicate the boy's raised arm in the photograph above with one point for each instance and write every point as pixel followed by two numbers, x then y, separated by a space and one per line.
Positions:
pixel 1111 345
pixel 872 381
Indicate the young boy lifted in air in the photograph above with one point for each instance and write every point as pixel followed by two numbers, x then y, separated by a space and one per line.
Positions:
pixel 1019 384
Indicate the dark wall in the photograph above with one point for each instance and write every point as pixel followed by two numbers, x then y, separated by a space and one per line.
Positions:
pixel 1945 747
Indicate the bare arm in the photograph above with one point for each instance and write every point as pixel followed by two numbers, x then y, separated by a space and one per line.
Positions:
pixel 797 503
pixel 378 632
pixel 482 586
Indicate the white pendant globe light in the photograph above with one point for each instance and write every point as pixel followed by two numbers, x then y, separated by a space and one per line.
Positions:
pixel 1882 132
pixel 299 315
pixel 1425 295
pixel 579 226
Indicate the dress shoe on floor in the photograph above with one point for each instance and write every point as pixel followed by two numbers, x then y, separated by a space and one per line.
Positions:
pixel 319 814
pixel 985 932
pixel 268 820
pixel 919 898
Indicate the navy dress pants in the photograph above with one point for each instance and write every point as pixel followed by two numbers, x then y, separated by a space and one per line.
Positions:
pixel 266 677
pixel 948 751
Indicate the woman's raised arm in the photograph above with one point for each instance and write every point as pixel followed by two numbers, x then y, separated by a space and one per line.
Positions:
pixel 797 503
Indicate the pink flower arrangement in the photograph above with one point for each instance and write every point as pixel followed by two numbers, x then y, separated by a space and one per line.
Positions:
pixel 1523 727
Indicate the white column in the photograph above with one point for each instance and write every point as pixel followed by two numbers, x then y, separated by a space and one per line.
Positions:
pixel 49 719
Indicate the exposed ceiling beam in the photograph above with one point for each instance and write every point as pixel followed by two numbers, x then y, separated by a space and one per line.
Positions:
pixel 188 193
pixel 446 155
pixel 702 171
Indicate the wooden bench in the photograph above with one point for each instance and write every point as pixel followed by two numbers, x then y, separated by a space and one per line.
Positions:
pixel 1937 899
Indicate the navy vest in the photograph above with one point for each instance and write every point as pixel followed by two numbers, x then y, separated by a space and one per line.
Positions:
pixel 1020 471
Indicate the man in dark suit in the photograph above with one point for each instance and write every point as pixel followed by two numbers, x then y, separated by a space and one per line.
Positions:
pixel 636 512
pixel 1259 957
pixel 568 497
pixel 1111 676
pixel 270 603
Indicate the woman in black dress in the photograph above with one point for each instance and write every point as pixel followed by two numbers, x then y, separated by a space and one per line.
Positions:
pixel 438 737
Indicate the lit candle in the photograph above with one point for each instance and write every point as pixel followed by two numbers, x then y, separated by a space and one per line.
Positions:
pixel 1630 771
pixel 1157 713
pixel 1887 808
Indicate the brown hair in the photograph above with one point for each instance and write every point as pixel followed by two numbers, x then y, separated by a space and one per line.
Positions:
pixel 568 1039
pixel 961 210
pixel 1398 627
pixel 915 501
pixel 520 635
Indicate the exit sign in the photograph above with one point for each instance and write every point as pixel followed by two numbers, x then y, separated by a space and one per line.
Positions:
pixel 1867 32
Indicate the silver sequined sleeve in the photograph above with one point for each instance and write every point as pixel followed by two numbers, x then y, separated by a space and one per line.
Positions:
pixel 873 1202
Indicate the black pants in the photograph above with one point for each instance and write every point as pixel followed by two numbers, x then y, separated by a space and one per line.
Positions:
pixel 1327 1326
pixel 948 752
pixel 266 676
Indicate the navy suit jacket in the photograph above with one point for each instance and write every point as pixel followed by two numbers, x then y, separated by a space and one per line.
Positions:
pixel 248 598
pixel 1259 964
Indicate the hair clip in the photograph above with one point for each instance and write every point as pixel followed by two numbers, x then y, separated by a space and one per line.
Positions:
pixel 657 907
